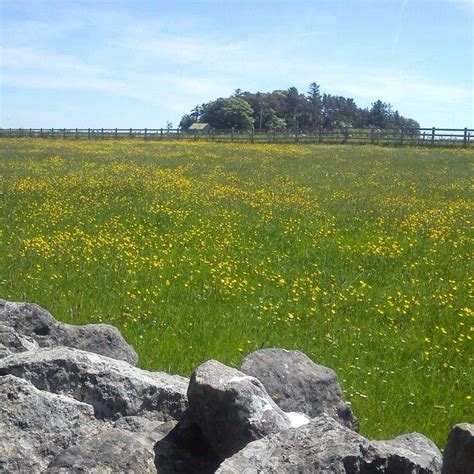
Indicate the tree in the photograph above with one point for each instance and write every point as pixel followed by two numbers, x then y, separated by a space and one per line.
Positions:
pixel 380 114
pixel 275 123
pixel 289 109
pixel 316 105
pixel 186 121
pixel 228 113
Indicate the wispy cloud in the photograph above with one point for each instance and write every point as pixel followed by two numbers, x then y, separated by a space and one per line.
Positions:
pixel 466 6
pixel 396 37
pixel 398 86
pixel 174 63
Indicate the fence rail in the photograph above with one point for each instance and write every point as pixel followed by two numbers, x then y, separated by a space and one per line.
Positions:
pixel 422 136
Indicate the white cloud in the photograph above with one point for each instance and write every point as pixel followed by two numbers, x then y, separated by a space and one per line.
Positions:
pixel 465 5
pixel 397 86
pixel 27 58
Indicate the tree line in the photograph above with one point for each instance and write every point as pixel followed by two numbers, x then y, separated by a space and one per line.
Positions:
pixel 291 110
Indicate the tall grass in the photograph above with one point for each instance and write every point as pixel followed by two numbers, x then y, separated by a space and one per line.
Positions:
pixel 357 256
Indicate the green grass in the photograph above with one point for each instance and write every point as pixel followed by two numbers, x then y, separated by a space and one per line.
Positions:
pixel 357 256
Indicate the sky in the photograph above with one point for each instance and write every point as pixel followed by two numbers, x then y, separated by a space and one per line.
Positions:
pixel 137 63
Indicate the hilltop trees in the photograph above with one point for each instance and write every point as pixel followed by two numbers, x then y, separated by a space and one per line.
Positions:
pixel 291 110
pixel 233 112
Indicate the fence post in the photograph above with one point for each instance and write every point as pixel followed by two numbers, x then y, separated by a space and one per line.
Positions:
pixel 130 133
pixel 320 134
pixel 433 133
pixel 177 134
pixel 41 132
pixel 30 133
pixel 401 136
pixel 465 137
pixel 273 135
pixel 372 135
pixel 89 134
pixel 116 134
pixel 252 135
pixel 52 133
pixel 296 136
pixel 161 134
pixel 10 132
pixel 77 134
pixel 232 135
pixel 145 133
pixel 101 133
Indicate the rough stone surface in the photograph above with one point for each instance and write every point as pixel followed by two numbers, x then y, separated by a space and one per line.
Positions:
pixel 185 450
pixel 114 388
pixel 459 450
pixel 37 425
pixel 109 452
pixel 231 408
pixel 147 431
pixel 4 351
pixel 31 320
pixel 296 383
pixel 411 452
pixel 324 445
pixel 13 342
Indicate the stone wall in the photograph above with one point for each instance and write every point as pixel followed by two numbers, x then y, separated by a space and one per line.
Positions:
pixel 72 400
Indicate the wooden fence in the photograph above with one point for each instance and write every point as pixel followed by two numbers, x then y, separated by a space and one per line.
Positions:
pixel 418 137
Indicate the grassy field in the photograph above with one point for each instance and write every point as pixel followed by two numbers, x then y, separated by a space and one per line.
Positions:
pixel 357 256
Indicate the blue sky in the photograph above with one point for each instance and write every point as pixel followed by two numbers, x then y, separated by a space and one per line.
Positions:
pixel 142 63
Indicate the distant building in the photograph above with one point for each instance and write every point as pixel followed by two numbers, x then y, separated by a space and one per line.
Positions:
pixel 200 127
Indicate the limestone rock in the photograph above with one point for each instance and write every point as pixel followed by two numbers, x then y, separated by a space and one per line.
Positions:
pixel 185 450
pixel 4 351
pixel 31 320
pixel 459 450
pixel 410 452
pixel 297 384
pixel 37 425
pixel 13 342
pixel 324 445
pixel 107 453
pixel 113 387
pixel 147 431
pixel 231 408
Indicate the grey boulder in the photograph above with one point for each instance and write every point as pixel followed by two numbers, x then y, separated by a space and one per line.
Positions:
pixel 109 452
pixel 231 408
pixel 185 450
pixel 12 342
pixel 297 384
pixel 31 320
pixel 459 450
pixel 113 387
pixel 324 445
pixel 147 430
pixel 35 425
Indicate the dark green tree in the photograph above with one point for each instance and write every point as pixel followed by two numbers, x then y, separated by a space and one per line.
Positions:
pixel 228 113
pixel 186 121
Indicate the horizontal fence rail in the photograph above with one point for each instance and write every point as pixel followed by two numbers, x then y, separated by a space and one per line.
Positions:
pixel 463 137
